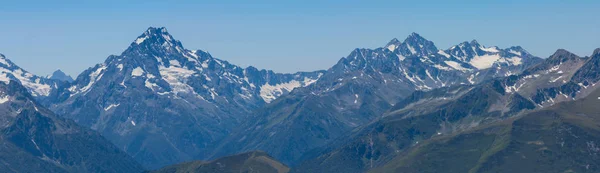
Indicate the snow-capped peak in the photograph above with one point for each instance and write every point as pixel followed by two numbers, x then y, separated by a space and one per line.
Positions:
pixel 415 44
pixel 482 57
pixel 155 40
pixel 160 64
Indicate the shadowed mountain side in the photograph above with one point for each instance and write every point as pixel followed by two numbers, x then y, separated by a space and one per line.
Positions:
pixel 33 139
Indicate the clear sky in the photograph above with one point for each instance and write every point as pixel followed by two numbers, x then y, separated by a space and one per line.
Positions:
pixel 286 36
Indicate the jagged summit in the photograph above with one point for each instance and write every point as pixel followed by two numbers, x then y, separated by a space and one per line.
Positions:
pixel 154 33
pixel 563 53
pixel 392 44
pixel 155 41
pixel 474 42
pixel 464 44
pixel 414 36
pixel 414 44
pixel 467 56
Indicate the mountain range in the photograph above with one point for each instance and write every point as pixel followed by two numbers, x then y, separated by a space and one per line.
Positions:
pixel 362 86
pixel 407 106
pixel 451 111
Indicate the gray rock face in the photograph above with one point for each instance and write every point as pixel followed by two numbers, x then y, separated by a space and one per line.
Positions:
pixel 35 140
pixel 165 104
pixel 361 87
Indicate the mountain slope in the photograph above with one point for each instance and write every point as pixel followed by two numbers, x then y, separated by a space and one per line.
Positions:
pixel 164 104
pixel 33 139
pixel 419 117
pixel 256 161
pixel 447 111
pixel 355 91
pixel 561 138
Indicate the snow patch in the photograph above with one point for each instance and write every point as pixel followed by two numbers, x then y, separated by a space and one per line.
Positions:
pixel 456 65
pixel 442 67
pixel 484 61
pixel 391 47
pixel 4 99
pixel 140 40
pixel 308 81
pixel 150 85
pixel 138 71
pixel 174 63
pixel 4 78
pixel 554 68
pixel 489 49
pixel 205 64
pixel 514 60
pixel 271 92
pixel 429 75
pixel 556 79
pixel 411 49
pixel 407 76
pixel 441 52
pixel 176 77
pixel 111 106
pixel 120 66
pixel 515 52
pixel 401 57
pixel 471 79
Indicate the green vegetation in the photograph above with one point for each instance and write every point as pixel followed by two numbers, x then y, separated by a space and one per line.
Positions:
pixel 250 162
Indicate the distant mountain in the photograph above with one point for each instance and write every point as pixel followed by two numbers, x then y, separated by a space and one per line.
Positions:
pixel 447 111
pixel 361 87
pixel 35 140
pixel 164 104
pixel 61 76
pixel 255 161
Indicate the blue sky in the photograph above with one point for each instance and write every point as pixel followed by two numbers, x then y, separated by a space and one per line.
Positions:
pixel 285 36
